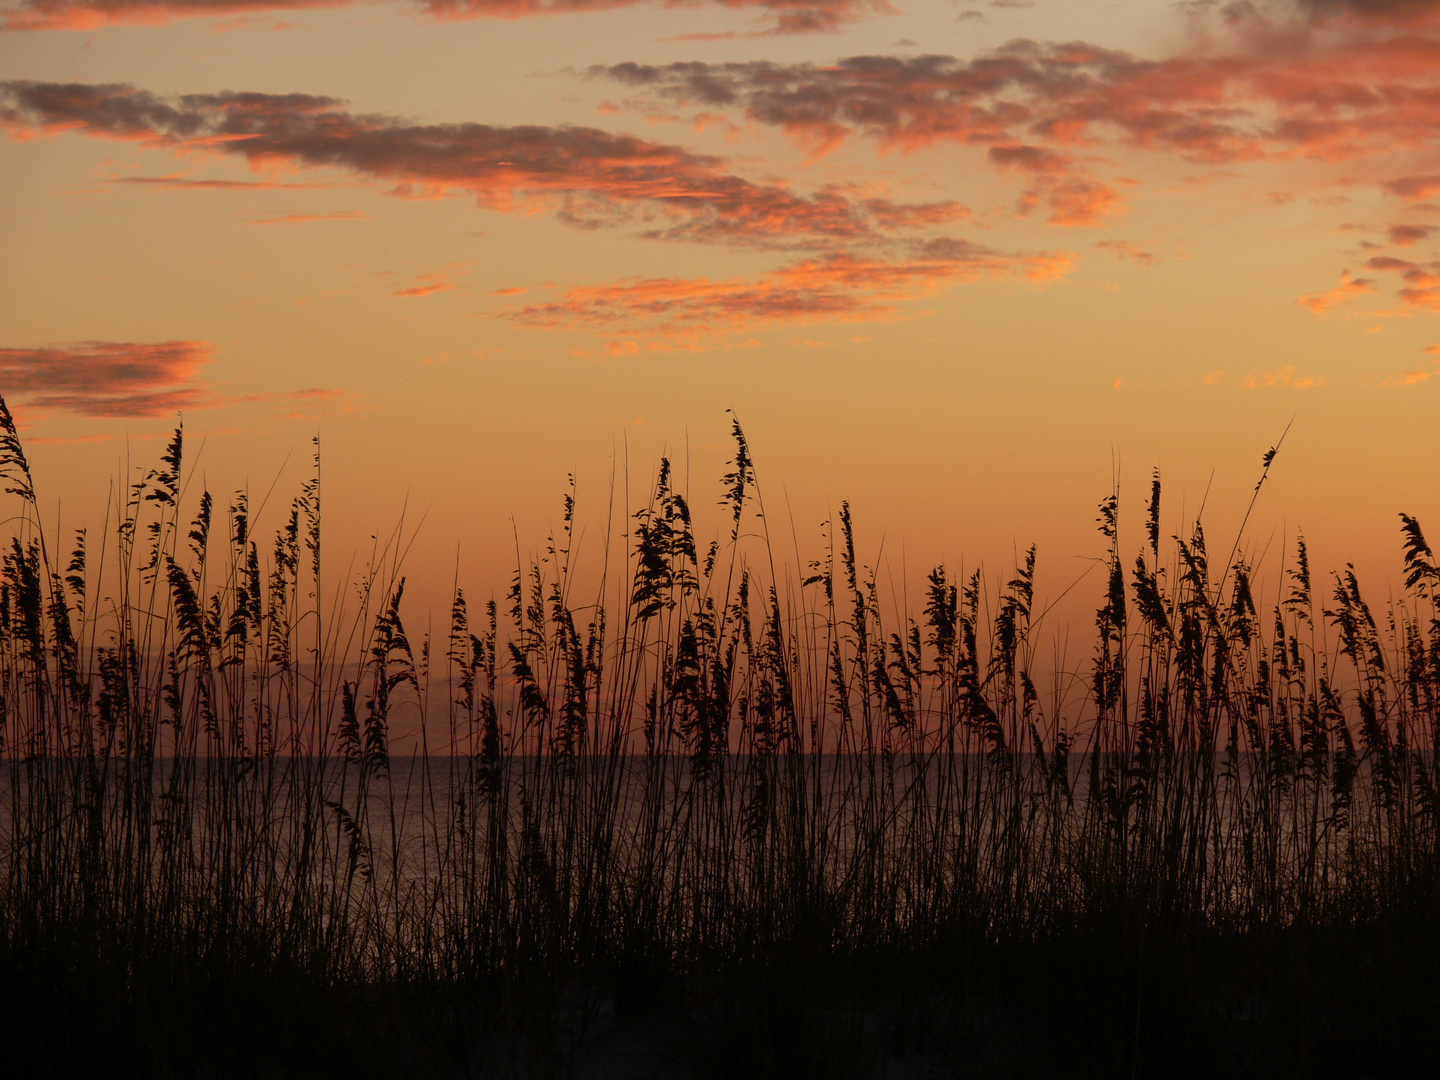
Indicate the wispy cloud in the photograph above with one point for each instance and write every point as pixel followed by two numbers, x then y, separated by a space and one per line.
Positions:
pixel 1057 181
pixel 1409 378
pixel 835 288
pixel 1123 249
pixel 1259 90
pixel 306 403
pixel 1409 235
pixel 427 285
pixel 89 14
pixel 781 16
pixel 1414 188
pixel 108 378
pixel 181 182
pixel 864 249
pixel 135 380
pixel 306 219
pixel 1422 282
pixel 1059 93
pixel 1284 379
pixel 1348 289
pixel 1418 376
pixel 587 177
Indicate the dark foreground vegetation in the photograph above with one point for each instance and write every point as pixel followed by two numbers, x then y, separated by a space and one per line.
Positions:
pixel 701 820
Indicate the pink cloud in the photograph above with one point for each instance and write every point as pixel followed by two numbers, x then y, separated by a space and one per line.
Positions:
pixel 89 14
pixel 784 16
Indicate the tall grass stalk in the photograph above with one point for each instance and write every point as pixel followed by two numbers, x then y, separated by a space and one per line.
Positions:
pixel 704 763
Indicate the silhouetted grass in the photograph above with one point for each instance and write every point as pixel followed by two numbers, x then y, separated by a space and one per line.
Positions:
pixel 704 819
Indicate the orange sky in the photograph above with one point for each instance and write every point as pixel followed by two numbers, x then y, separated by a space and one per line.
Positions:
pixel 960 264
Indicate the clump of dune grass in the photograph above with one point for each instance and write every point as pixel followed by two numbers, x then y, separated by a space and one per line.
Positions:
pixel 699 767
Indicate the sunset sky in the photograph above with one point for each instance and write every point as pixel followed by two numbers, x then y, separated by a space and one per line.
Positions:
pixel 962 264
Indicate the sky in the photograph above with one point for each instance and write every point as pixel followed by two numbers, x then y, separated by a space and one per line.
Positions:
pixel 967 265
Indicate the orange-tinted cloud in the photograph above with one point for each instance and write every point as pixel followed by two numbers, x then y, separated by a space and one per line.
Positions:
pixel 1021 93
pixel 1348 289
pixel 1409 235
pixel 833 288
pixel 1259 91
pixel 1071 200
pixel 108 378
pixel 1284 379
pixel 180 182
pixel 304 404
pixel 1123 249
pixel 809 16
pixel 1414 188
pixel 306 219
pixel 1205 107
pixel 785 16
pixel 1414 378
pixel 127 380
pixel 1073 197
pixel 1029 104
pixel 427 285
pixel 587 177
pixel 1409 378
pixel 1422 282
pixel 88 14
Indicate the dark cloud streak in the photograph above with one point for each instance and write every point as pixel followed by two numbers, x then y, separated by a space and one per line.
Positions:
pixel 1400 11
pixel 589 177
pixel 108 378
pixel 1040 109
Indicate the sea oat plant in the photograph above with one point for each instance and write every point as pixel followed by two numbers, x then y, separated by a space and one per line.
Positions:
pixel 700 764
